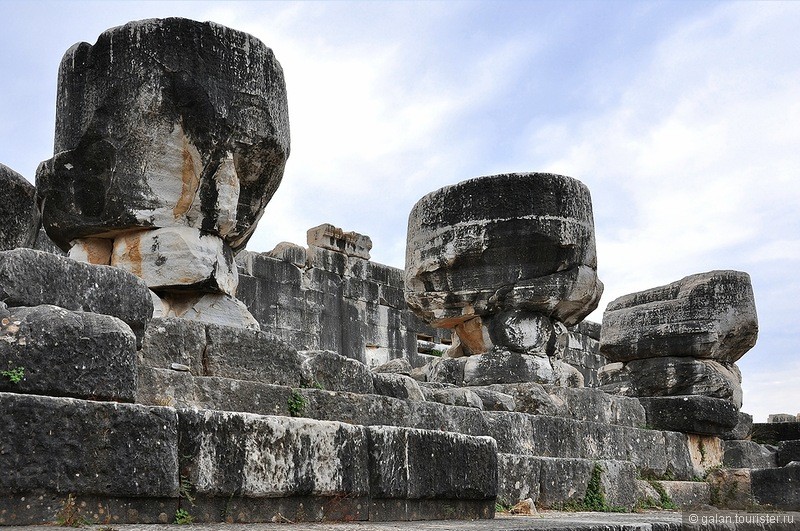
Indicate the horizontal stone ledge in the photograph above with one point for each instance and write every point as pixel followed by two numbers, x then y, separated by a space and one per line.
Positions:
pixel 65 445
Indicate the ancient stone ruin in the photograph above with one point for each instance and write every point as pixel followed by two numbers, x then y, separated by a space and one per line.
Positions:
pixel 153 370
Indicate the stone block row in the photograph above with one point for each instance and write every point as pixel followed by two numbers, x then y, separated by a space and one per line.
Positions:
pixel 33 278
pixel 204 461
pixel 652 451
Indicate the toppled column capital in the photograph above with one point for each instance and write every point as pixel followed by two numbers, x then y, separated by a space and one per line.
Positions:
pixel 165 123
pixel 522 241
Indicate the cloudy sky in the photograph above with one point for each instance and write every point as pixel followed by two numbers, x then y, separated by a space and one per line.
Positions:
pixel 682 118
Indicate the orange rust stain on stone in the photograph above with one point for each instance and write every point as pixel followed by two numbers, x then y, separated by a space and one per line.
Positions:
pixel 190 181
pixel 134 253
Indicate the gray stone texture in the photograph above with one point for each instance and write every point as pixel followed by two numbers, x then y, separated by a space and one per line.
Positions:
pixel 174 340
pixel 252 355
pixel 582 350
pixel 333 372
pixel 331 301
pixel 552 482
pixel 688 494
pixel 326 236
pixel 397 386
pixel 413 464
pixel 507 367
pixel 742 429
pixel 33 278
pixel 788 451
pixel 226 453
pixel 65 353
pixel 597 406
pixel 495 400
pixel 515 241
pixel 20 218
pixel 781 417
pixel 690 414
pixel 530 397
pixel 453 396
pixel 708 315
pixel 774 433
pixel 777 487
pixel 200 106
pixel 748 454
pixel 64 445
pixel 673 376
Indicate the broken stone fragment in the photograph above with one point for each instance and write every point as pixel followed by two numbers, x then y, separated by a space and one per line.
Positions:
pixel 20 218
pixel 96 251
pixel 32 278
pixel 690 414
pixel 673 376
pixel 525 332
pixel 177 257
pixel 708 315
pixel 507 367
pixel 333 238
pixel 165 123
pixel 211 308
pixel 515 241
pixel 65 353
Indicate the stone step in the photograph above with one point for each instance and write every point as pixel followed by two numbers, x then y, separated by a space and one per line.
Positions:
pixel 566 483
pixel 775 432
pixel 682 495
pixel 743 488
pixel 259 357
pixel 653 452
pixel 142 464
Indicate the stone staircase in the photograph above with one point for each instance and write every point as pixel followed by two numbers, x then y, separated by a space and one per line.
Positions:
pixel 550 457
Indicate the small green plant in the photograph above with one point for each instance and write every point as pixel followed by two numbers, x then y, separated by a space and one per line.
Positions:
pixel 702 448
pixel 297 404
pixel 186 490
pixel 437 352
pixel 595 498
pixel 501 507
pixel 70 514
pixel 14 375
pixel 665 502
pixel 182 516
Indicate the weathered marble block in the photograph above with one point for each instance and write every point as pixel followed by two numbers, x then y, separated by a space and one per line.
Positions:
pixel 177 257
pixel 504 242
pixel 708 315
pixel 20 218
pixel 32 278
pixel 673 376
pixel 333 238
pixel 690 414
pixel 165 123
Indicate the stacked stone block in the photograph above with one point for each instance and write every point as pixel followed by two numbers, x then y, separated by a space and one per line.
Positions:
pixel 506 262
pixel 171 137
pixel 676 346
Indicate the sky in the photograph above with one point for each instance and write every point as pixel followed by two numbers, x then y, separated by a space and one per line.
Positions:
pixel 681 117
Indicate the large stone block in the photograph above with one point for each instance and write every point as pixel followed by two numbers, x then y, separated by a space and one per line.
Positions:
pixel 64 353
pixel 742 429
pixel 177 257
pixel 227 454
pixel 18 211
pixel 708 315
pixel 326 236
pixel 172 340
pixel 411 464
pixel 397 386
pixel 673 376
pixel 64 445
pixel 507 367
pixel 774 433
pixel 337 373
pixel 252 355
pixel 777 487
pixel 748 454
pixel 788 451
pixel 516 241
pixel 32 278
pixel 210 308
pixel 597 406
pixel 165 123
pixel 690 414
pixel 531 397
